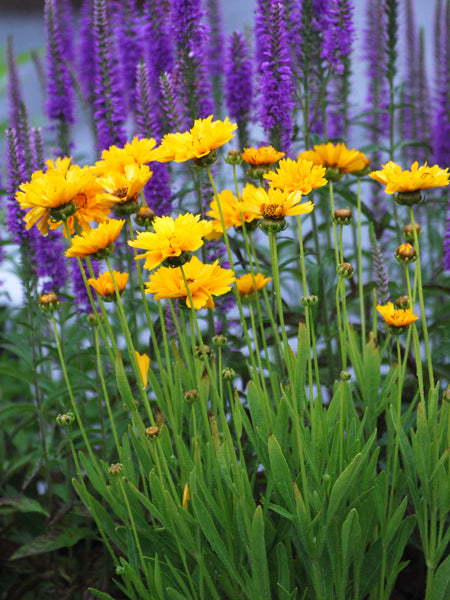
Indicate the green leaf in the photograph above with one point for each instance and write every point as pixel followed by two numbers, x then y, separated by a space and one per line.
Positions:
pixel 258 556
pixel 21 504
pixel 123 385
pixel 342 486
pixel 441 584
pixel 52 540
pixel 281 473
pixel 101 595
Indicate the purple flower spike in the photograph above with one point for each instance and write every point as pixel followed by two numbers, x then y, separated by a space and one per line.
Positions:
pixel 379 268
pixel 447 239
pixel 169 104
pixel 16 174
pixel 86 51
pixel 239 87
pixel 337 42
pixel 277 89
pixel 50 262
pixel 110 114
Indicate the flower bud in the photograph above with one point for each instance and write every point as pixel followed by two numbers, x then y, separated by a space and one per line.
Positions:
pixel 205 161
pixel 409 198
pixel 152 432
pixel 345 375
pixel 406 254
pixel 402 302
pixel 408 232
pixel 177 261
pixel 446 394
pixel 94 320
pixel 120 570
pixel 129 207
pixel 228 374
pixel 186 496
pixel 332 174
pixel 258 171
pixel 144 216
pixel 49 302
pixel 274 225
pixel 199 352
pixel 342 216
pixel 220 340
pixel 191 396
pixel 234 157
pixel 63 212
pixel 104 253
pixel 309 300
pixel 397 330
pixel 345 270
pixel 115 470
pixel 65 419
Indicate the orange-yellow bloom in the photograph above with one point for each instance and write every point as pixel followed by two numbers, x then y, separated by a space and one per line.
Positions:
pixel 297 176
pixel 205 136
pixel 231 212
pixel 143 362
pixel 204 282
pixel 263 156
pixel 396 318
pixel 338 157
pixel 122 185
pixel 51 194
pixel 139 152
pixel 96 241
pixel 419 178
pixel 104 285
pixel 248 284
pixel 170 238
pixel 273 204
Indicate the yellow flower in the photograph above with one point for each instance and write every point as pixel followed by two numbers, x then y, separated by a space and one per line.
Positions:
pixel 143 362
pixel 297 176
pixel 171 237
pixel 419 178
pixel 230 210
pixel 122 185
pixel 104 285
pixel 186 496
pixel 50 195
pixel 204 282
pixel 246 284
pixel 273 204
pixel 205 136
pixel 396 318
pixel 337 157
pixel 139 152
pixel 263 156
pixel 96 241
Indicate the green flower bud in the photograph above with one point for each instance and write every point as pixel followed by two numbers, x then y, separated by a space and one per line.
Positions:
pixel 342 216
pixel 49 302
pixel 94 320
pixel 228 374
pixel 309 300
pixel 199 352
pixel 345 270
pixel 177 261
pixel 409 198
pixel 220 340
pixel 66 419
pixel 234 157
pixel 408 232
pixel 345 375
pixel 115 470
pixel 144 216
pixel 402 302
pixel 191 396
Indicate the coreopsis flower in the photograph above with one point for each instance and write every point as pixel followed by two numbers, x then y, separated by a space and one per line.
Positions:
pixel 143 362
pixel 262 156
pixel 97 243
pixel 104 285
pixel 337 159
pixel 273 204
pixel 50 194
pixel 418 178
pixel 122 187
pixel 397 320
pixel 248 284
pixel 172 239
pixel 204 137
pixel 297 176
pixel 204 282
pixel 231 212
pixel 139 151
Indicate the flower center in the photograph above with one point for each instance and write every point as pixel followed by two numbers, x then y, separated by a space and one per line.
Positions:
pixel 121 192
pixel 80 200
pixel 272 211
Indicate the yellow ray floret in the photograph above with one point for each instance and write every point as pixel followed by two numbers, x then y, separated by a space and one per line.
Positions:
pixel 104 285
pixel 249 283
pixel 297 176
pixel 205 136
pixel 273 204
pixel 231 212
pixel 419 178
pixel 336 156
pixel 204 282
pixel 138 151
pixel 171 237
pixel 396 318
pixel 263 156
pixel 96 240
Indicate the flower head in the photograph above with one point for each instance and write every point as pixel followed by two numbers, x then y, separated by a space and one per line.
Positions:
pixel 396 318
pixel 143 362
pixel 96 242
pixel 204 282
pixel 419 178
pixel 273 204
pixel 171 238
pixel 138 151
pixel 50 194
pixel 104 285
pixel 336 157
pixel 248 284
pixel 231 212
pixel 263 156
pixel 297 176
pixel 205 136
pixel 124 185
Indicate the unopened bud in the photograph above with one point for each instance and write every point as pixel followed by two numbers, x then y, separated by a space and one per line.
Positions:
pixel 309 300
pixel 144 216
pixel 115 470
pixel 207 351
pixel 408 232
pixel 94 320
pixel 402 302
pixel 220 340
pixel 406 253
pixel 152 432
pixel 191 396
pixel 228 374
pixel 234 157
pixel 49 302
pixel 342 216
pixel 345 375
pixel 65 419
pixel 345 270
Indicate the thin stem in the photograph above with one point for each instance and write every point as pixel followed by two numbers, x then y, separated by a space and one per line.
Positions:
pixel 360 278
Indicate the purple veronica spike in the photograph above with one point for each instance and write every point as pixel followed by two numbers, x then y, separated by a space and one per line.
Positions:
pixel 381 279
pixel 191 38
pixel 129 43
pixel 14 91
pixel 60 104
pixel 50 263
pixel 442 114
pixel 17 174
pixel 447 239
pixel 169 104
pixel 216 49
pixel 87 50
pixel 337 42
pixel 158 40
pixel 293 16
pixel 277 90
pixel 238 73
pixel 109 115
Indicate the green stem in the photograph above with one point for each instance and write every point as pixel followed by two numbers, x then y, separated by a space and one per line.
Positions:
pixel 360 278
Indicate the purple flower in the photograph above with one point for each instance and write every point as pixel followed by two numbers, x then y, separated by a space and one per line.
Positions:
pixel 169 104
pixel 60 104
pixel 81 298
pixel 216 49
pixel 447 239
pixel 441 129
pixel 191 38
pixel 276 85
pixel 109 114
pixel 50 262
pixel 86 51
pixel 339 35
pixel 158 41
pixel 16 174
pixel 239 87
